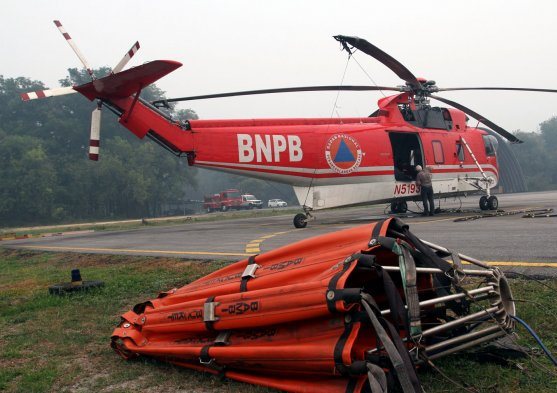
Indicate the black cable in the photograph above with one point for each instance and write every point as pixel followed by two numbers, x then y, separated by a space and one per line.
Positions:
pixel 533 279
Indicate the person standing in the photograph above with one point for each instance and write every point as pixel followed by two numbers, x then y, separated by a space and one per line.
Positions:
pixel 423 179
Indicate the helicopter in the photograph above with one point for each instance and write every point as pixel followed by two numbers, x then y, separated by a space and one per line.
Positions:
pixel 329 162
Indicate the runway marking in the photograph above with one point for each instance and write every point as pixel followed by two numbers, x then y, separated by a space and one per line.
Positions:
pixel 56 248
pixel 254 245
pixel 254 251
pixel 522 264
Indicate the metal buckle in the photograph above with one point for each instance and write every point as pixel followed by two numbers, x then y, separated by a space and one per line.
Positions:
pixel 222 338
pixel 207 363
pixel 249 271
pixel 209 312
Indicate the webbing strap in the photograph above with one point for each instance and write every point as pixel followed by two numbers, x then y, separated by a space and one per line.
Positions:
pixel 204 356
pixel 456 259
pixel 339 348
pixel 245 278
pixel 331 301
pixel 396 305
pixel 380 229
pixel 431 259
pixel 396 358
pixel 409 280
pixel 377 379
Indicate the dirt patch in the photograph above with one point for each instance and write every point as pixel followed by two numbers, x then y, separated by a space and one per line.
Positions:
pixel 20 285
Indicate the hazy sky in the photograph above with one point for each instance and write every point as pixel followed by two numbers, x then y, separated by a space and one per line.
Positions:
pixel 242 45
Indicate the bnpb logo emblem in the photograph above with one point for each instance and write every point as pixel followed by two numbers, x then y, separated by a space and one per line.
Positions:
pixel 343 154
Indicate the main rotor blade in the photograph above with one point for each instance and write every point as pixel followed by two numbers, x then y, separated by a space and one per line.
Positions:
pixel 500 88
pixel 272 91
pixel 75 48
pixel 505 134
pixel 386 59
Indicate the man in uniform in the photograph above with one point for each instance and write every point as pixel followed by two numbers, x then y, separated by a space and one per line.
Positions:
pixel 423 179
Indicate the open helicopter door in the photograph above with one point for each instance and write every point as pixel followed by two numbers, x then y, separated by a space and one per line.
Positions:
pixel 407 153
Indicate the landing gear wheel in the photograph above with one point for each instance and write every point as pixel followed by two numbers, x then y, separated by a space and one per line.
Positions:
pixel 483 203
pixel 399 207
pixel 300 220
pixel 492 202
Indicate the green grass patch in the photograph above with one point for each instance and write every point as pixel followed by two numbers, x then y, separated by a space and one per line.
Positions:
pixel 61 343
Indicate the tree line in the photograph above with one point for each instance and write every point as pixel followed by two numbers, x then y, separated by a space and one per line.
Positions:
pixel 46 177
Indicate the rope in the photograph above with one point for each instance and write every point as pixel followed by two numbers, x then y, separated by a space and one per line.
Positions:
pixel 370 78
pixel 530 213
pixel 329 125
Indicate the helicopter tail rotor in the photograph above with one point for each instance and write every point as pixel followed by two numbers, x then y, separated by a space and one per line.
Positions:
pixel 118 84
pixel 129 54
pixel 94 140
pixel 75 48
pixel 60 91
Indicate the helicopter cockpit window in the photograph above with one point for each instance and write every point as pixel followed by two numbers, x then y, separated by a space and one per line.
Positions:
pixel 427 117
pixel 491 144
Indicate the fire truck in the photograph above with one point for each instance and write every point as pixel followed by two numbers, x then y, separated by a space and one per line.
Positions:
pixel 223 201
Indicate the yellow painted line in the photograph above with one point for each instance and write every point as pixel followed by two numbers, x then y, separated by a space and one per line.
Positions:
pixel 251 251
pixel 254 245
pixel 516 263
pixel 522 263
pixel 54 248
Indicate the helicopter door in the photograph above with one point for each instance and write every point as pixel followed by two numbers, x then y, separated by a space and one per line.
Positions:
pixel 407 153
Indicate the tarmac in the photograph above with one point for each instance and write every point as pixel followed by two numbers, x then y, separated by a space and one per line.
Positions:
pixel 523 245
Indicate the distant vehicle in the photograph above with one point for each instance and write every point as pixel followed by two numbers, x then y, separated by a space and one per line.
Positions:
pixel 225 200
pixel 276 203
pixel 251 202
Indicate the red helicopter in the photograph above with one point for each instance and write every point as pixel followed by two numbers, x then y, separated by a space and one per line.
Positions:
pixel 330 162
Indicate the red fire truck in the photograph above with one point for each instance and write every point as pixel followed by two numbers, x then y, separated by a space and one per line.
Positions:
pixel 225 200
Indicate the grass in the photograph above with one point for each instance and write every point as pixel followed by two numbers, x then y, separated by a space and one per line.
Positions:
pixel 53 343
